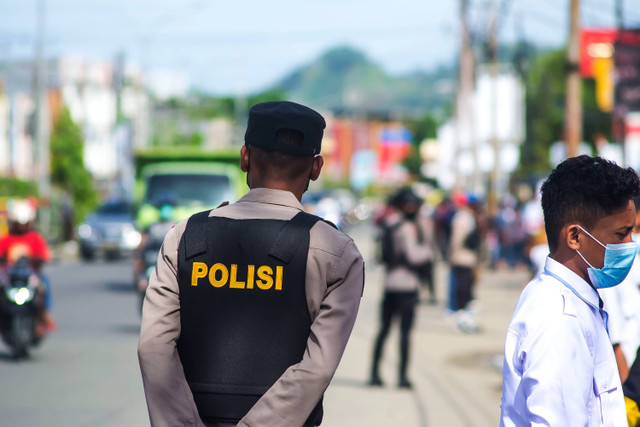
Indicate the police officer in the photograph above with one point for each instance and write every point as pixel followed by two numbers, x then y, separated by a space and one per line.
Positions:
pixel 251 305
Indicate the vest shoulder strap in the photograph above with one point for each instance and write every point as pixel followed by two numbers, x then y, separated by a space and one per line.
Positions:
pixel 195 236
pixel 289 238
pixel 283 248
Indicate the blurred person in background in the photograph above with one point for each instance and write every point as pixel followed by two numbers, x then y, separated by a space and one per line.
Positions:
pixel 404 252
pixel 66 217
pixel 631 390
pixel 442 215
pixel 537 247
pixel 622 304
pixel 511 233
pixel 537 251
pixel 468 228
pixel 23 240
pixel 559 367
pixel 427 235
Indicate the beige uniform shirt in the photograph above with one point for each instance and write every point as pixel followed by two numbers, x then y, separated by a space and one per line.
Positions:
pixel 405 239
pixel 462 224
pixel 334 286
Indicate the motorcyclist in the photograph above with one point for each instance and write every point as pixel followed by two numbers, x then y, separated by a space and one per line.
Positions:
pixel 153 236
pixel 23 241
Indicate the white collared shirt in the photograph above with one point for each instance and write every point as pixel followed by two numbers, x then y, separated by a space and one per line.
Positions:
pixel 622 303
pixel 559 368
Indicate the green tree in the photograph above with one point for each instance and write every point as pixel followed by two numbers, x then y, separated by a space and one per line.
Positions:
pixel 545 100
pixel 545 111
pixel 68 171
pixel 421 128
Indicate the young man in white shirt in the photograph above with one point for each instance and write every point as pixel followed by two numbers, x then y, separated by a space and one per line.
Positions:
pixel 559 367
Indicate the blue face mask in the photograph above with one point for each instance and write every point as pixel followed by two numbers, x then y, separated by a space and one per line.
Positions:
pixel 618 259
pixel 636 239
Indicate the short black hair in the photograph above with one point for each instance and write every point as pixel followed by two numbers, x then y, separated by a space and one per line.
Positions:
pixel 583 190
pixel 282 165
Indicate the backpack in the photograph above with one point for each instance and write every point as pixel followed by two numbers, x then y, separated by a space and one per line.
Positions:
pixel 473 239
pixel 388 255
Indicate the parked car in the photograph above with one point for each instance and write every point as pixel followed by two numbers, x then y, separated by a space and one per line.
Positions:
pixel 110 231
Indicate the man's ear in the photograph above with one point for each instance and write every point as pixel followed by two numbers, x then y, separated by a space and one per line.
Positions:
pixel 244 159
pixel 318 162
pixel 571 235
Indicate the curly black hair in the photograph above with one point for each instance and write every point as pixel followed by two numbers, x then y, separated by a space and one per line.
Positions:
pixel 583 190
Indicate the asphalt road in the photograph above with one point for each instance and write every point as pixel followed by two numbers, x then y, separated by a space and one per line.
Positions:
pixel 86 373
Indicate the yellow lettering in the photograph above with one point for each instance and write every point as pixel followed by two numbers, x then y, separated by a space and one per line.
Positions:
pixel 265 272
pixel 221 275
pixel 251 269
pixel 218 283
pixel 198 271
pixel 234 278
pixel 279 271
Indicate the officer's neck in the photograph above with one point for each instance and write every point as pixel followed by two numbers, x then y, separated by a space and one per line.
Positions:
pixel 297 188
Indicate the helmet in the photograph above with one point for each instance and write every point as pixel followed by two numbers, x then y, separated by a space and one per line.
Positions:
pixel 166 212
pixel 20 211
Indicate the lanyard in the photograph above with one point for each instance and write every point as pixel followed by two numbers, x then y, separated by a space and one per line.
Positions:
pixel 603 313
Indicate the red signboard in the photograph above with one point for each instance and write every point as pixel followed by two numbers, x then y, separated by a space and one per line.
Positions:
pixel 595 43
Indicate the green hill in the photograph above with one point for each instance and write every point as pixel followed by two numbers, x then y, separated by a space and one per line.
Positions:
pixel 344 79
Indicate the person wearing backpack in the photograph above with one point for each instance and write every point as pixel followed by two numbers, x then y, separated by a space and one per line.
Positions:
pixel 403 251
pixel 464 256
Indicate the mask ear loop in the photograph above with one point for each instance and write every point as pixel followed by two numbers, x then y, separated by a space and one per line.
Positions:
pixel 583 258
pixel 588 234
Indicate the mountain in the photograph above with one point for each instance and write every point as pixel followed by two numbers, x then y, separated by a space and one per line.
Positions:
pixel 344 79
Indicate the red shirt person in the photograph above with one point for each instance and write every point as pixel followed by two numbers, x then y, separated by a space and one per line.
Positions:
pixel 22 241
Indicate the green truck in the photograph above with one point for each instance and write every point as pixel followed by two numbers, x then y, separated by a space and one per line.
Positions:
pixel 191 179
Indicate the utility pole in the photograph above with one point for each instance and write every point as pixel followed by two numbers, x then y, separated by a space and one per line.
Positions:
pixel 619 117
pixel 619 14
pixel 42 125
pixel 464 112
pixel 573 108
pixel 492 56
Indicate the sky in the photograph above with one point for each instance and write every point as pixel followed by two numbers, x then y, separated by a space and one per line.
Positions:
pixel 243 46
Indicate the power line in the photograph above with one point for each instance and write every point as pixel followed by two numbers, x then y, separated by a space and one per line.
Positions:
pixel 539 16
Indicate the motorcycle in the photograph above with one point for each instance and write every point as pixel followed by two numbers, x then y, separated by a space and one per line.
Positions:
pixel 149 255
pixel 21 300
pixel 149 258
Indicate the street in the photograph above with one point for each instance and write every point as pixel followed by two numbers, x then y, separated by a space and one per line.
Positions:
pixel 86 373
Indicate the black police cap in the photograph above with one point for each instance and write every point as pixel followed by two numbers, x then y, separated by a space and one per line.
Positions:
pixel 267 118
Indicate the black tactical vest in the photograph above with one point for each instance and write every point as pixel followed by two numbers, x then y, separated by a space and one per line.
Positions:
pixel 243 309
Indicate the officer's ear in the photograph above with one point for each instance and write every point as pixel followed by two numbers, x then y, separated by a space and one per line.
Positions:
pixel 318 162
pixel 244 158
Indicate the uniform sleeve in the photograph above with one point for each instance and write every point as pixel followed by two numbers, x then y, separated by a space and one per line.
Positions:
pixel 556 374
pixel 292 398
pixel 169 398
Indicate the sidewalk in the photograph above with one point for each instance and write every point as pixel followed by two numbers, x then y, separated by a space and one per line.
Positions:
pixel 456 376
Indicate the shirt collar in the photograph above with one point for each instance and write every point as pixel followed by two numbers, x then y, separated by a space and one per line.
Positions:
pixel 271 196
pixel 584 289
